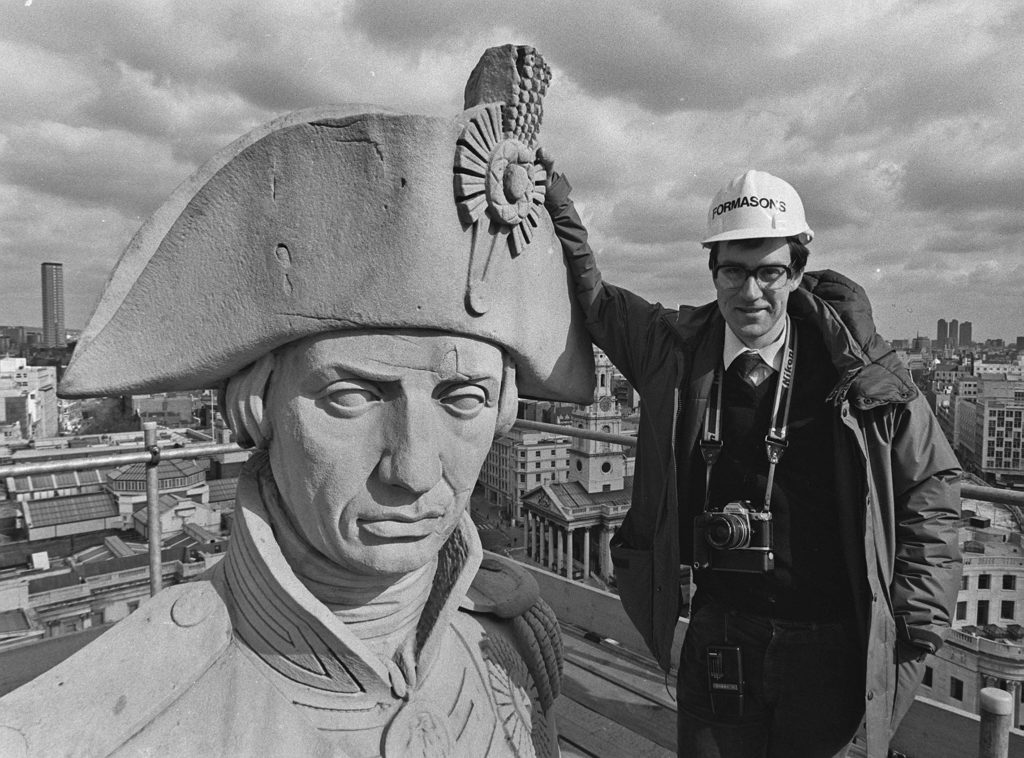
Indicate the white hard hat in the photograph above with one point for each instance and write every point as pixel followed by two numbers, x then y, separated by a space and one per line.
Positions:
pixel 754 205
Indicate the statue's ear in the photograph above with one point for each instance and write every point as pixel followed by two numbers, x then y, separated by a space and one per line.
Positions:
pixel 508 400
pixel 243 403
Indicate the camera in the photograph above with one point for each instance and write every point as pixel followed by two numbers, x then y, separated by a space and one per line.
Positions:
pixel 734 538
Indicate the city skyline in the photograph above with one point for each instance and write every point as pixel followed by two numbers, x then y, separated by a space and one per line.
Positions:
pixel 885 117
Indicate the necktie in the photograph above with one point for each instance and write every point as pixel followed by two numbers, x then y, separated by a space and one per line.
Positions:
pixel 751 368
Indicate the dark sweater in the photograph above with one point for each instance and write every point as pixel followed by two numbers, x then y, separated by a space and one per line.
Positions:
pixel 809 581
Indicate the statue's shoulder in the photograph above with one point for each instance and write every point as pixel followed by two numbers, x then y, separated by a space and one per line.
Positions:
pixel 505 596
pixel 502 588
pixel 95 700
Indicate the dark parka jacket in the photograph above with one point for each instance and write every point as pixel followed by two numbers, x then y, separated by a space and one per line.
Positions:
pixel 896 475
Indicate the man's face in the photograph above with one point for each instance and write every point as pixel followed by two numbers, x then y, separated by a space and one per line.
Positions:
pixel 753 312
pixel 378 439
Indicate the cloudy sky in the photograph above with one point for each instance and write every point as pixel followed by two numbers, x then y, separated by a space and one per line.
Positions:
pixel 900 123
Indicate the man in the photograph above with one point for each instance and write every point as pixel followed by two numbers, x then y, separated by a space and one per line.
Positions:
pixel 785 454
pixel 322 274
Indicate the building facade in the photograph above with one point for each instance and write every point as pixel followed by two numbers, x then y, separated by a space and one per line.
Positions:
pixel 519 461
pixel 567 527
pixel 966 338
pixel 54 334
pixel 989 432
pixel 986 645
pixel 28 397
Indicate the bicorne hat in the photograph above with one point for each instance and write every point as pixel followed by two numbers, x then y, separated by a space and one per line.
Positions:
pixel 350 218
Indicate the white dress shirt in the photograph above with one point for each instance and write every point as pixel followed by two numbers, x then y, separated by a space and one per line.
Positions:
pixel 771 353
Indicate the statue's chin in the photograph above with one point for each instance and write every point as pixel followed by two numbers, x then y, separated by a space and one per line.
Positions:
pixel 388 553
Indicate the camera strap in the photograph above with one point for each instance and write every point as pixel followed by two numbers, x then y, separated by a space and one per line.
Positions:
pixel 775 441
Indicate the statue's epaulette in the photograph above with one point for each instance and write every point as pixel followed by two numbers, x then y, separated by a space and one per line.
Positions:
pixel 501 587
pixel 504 589
pixel 94 701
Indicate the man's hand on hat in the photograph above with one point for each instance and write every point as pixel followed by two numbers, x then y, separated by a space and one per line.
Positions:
pixel 547 162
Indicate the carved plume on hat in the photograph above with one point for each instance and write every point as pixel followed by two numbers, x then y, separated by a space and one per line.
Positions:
pixel 517 77
pixel 499 186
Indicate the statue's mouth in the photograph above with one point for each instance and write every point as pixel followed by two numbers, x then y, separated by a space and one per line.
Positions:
pixel 402 525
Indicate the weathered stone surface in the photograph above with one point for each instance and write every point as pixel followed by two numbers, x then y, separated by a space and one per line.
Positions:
pixel 335 219
pixel 371 292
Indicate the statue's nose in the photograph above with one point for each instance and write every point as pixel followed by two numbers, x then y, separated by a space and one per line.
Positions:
pixel 412 458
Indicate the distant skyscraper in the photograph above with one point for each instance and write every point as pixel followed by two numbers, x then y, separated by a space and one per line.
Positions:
pixel 941 332
pixel 965 334
pixel 954 333
pixel 53 305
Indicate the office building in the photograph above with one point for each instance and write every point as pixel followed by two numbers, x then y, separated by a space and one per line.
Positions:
pixel 966 338
pixel 28 398
pixel 954 334
pixel 53 305
pixel 941 333
pixel 520 461
pixel 989 432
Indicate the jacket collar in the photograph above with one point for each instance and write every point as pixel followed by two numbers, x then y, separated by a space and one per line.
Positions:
pixel 870 372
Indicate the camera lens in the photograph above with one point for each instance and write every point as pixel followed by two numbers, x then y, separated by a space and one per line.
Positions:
pixel 727 531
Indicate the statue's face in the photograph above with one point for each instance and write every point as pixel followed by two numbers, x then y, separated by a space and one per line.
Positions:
pixel 378 439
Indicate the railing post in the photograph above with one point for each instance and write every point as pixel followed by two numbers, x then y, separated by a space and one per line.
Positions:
pixel 996 714
pixel 153 506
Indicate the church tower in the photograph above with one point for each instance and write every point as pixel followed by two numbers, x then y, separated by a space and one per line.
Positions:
pixel 597 465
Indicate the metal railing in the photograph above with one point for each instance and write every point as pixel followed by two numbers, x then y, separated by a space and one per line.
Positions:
pixel 996 715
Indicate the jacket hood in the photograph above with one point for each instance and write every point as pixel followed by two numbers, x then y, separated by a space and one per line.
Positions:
pixel 870 371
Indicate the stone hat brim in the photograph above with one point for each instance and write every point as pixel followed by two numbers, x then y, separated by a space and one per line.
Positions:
pixel 328 219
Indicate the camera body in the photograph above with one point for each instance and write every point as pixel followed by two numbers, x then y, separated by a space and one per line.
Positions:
pixel 734 538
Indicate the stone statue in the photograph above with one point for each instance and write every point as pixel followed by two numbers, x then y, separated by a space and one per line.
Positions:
pixel 371 292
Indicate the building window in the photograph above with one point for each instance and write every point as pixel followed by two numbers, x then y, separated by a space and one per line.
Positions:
pixel 961 610
pixel 956 688
pixel 1009 582
pixel 1006 609
pixel 984 581
pixel 982 618
pixel 965 582
pixel 927 680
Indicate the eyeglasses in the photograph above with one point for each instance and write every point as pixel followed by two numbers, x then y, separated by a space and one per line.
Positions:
pixel 729 276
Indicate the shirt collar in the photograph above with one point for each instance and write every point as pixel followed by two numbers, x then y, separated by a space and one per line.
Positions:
pixel 770 354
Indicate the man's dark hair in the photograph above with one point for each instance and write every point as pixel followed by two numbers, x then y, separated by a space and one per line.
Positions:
pixel 798 252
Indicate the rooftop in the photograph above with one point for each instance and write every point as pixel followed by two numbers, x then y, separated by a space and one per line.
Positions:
pixel 172 469
pixel 71 509
pixel 222 490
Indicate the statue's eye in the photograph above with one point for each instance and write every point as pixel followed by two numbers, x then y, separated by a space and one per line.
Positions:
pixel 351 396
pixel 464 400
